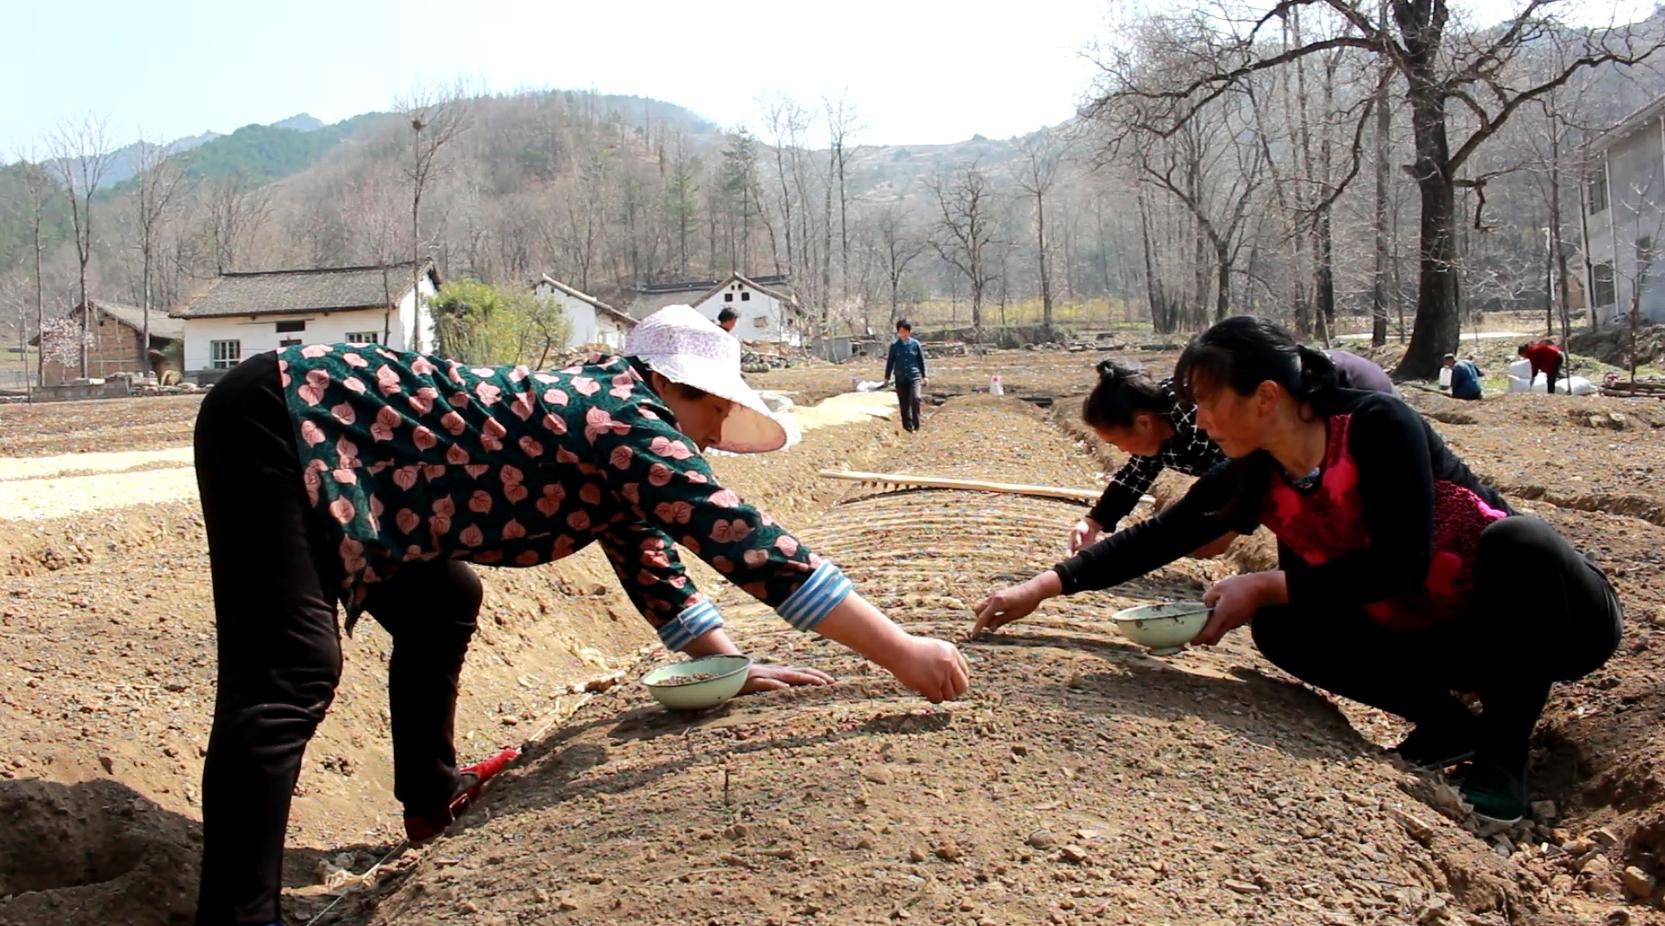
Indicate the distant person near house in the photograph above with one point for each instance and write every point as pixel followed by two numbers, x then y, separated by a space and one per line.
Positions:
pixel 726 319
pixel 906 366
pixel 1546 358
pixel 1465 377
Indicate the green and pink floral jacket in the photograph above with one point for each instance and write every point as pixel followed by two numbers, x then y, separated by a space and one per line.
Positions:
pixel 411 457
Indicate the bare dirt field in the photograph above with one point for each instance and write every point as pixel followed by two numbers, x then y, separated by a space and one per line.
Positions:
pixel 1080 781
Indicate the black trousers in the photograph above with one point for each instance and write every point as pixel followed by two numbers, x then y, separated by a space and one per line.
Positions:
pixel 910 396
pixel 1555 368
pixel 275 579
pixel 1542 613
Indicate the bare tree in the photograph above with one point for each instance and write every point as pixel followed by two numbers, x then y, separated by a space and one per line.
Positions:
pixel 1439 69
pixel 842 122
pixel 38 191
pixel 237 209
pixel 786 121
pixel 1383 145
pixel 81 155
pixel 159 183
pixel 435 121
pixel 965 226
pixel 897 247
pixel 1036 177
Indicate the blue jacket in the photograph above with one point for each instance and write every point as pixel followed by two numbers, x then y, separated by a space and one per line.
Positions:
pixel 906 361
pixel 1465 380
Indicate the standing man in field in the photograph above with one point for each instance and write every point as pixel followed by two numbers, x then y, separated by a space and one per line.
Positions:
pixel 906 365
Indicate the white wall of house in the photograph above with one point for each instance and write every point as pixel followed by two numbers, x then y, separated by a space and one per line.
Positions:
pixel 254 335
pixel 585 323
pixel 762 316
pixel 1624 202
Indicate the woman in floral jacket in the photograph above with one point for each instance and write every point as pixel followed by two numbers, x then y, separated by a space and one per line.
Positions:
pixel 369 477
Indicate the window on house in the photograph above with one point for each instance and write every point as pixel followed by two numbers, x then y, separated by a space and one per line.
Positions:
pixel 1602 283
pixel 728 297
pixel 289 342
pixel 290 327
pixel 1595 189
pixel 760 321
pixel 363 337
pixel 223 355
pixel 746 296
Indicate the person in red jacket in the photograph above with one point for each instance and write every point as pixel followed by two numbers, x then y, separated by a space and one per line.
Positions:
pixel 1545 358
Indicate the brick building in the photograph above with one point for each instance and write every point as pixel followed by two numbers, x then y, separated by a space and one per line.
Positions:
pixel 116 346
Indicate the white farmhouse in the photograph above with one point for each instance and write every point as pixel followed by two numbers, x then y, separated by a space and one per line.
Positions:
pixel 1624 215
pixel 242 314
pixel 590 321
pixel 767 309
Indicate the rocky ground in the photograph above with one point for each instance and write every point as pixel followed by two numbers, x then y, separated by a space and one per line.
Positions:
pixel 1080 781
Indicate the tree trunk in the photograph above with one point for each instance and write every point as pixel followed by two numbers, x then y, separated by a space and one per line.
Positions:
pixel 1323 274
pixel 40 307
pixel 1153 287
pixel 1435 331
pixel 144 335
pixel 1046 280
pixel 1557 247
pixel 85 319
pixel 1379 276
pixel 1222 298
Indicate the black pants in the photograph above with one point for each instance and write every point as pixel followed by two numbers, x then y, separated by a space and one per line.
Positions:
pixel 275 580
pixel 1554 373
pixel 909 395
pixel 1542 613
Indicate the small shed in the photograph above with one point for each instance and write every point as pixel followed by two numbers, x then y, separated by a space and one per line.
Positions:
pixel 117 341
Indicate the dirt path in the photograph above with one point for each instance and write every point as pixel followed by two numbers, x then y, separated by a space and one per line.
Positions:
pixel 1081 781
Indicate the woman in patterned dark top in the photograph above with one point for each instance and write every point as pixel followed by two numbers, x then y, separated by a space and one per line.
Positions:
pixel 1141 418
pixel 1401 576
pixel 359 475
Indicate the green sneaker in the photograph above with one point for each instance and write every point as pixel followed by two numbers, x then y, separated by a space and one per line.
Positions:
pixel 1495 792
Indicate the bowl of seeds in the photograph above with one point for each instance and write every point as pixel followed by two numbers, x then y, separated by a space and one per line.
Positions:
pixel 696 684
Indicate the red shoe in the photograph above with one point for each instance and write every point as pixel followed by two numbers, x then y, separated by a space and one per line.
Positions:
pixel 472 779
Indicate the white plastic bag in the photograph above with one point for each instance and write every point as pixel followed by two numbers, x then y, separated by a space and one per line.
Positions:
pixel 994 385
pixel 1574 385
pixel 1521 368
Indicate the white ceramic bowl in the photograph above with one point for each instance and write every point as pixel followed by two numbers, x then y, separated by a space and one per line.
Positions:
pixel 728 676
pixel 1164 628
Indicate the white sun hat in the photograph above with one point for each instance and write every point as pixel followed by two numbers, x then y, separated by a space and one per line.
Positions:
pixel 686 347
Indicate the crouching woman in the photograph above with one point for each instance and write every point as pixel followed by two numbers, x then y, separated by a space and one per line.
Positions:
pixel 1401 579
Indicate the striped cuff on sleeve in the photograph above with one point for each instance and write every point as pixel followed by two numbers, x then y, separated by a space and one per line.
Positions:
pixel 699 617
pixel 824 589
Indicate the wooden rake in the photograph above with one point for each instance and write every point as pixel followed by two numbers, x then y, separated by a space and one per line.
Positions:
pixel 890 482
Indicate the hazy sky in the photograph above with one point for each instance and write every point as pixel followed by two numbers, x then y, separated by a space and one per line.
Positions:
pixel 916 71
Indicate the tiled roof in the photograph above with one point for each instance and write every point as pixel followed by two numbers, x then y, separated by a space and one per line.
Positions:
pixel 290 292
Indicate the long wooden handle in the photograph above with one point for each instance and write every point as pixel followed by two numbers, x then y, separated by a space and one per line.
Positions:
pixel 973 485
